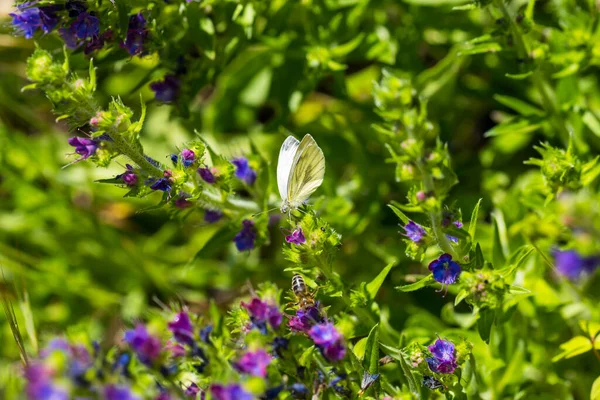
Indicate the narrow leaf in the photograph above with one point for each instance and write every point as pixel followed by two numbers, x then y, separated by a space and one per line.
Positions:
pixel 473 222
pixel 484 324
pixel 405 220
pixel 518 105
pixel 428 280
pixel 375 284
pixel 371 359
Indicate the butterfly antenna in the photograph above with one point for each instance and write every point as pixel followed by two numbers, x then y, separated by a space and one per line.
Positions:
pixel 262 212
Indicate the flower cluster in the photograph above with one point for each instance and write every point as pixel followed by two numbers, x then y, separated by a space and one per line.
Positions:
pixel 178 352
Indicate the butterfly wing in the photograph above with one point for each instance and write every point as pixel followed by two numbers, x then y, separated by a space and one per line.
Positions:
pixel 307 171
pixel 287 155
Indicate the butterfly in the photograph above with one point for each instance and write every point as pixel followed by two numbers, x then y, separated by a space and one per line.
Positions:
pixel 300 171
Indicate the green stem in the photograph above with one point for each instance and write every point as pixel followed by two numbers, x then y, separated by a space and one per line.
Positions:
pixel 436 215
pixel 550 106
pixel 135 156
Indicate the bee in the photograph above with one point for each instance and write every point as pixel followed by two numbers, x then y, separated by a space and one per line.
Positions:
pixel 304 298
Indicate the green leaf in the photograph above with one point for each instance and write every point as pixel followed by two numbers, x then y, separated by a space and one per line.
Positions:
pixel 306 358
pixel 428 280
pixel 463 294
pixel 348 47
pixel 479 260
pixel 568 70
pixel 405 220
pixel 520 126
pixel 591 329
pixel 590 120
pixel 434 3
pixel 359 348
pixel 371 359
pixel 473 221
pixel 490 47
pixel 595 393
pixel 519 77
pixel 500 250
pixel 573 347
pixel 123 16
pixel 375 284
pixel 484 323
pixel 396 354
pixel 92 75
pixel 519 106
pixel 517 260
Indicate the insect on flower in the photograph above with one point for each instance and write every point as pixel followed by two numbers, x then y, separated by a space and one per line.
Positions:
pixel 304 298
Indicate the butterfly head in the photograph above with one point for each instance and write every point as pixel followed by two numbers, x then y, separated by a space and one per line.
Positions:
pixel 285 207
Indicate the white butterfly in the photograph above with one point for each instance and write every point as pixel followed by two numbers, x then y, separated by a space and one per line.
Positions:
pixel 300 171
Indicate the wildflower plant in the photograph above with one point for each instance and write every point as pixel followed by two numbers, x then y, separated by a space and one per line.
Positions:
pixel 429 264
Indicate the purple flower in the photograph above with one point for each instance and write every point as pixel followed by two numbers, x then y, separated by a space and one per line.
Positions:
pixel 458 224
pixel 188 157
pixel 39 383
pixel 262 313
pixel 230 392
pixel 69 37
pixel 207 175
pixel 192 390
pixel 212 216
pixel 445 271
pixel 163 184
pixel 182 203
pixel 205 333
pixel 414 231
pixel 244 171
pixel 182 328
pixel 244 240
pixel 305 319
pixel 114 392
pixel 572 265
pixel 136 34
pixel 167 90
pixel 297 237
pixel 254 363
pixel 84 147
pixel 175 349
pixel 164 396
pixel 29 19
pixel 324 334
pixel 129 178
pixel 146 346
pixel 453 239
pixel 86 25
pixel 329 341
pixel 444 358
pixel 97 42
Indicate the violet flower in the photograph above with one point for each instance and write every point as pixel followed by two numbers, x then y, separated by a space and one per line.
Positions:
pixel 329 341
pixel 296 237
pixel 136 35
pixel 167 90
pixel 414 231
pixel 443 360
pixel 182 328
pixel 244 171
pixel 207 175
pixel 254 363
pixel 445 271
pixel 146 346
pixel 244 240
pixel 84 147
pixel 229 392
pixel 212 216
pixel 262 313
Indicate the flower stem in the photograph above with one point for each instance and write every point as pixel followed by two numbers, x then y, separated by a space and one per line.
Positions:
pixel 135 156
pixel 540 83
